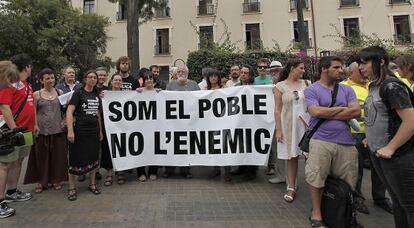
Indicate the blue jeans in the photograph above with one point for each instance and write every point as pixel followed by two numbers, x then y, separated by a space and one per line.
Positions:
pixel 397 174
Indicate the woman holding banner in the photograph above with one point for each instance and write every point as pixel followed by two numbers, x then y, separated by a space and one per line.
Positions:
pixel 85 134
pixel 106 161
pixel 148 86
pixel 213 83
pixel 48 160
pixel 290 113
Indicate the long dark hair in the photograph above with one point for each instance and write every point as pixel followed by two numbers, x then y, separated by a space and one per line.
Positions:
pixel 212 72
pixel 291 63
pixel 375 54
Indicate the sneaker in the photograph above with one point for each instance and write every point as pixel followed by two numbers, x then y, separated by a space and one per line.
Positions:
pixel 18 196
pixel 270 171
pixel 277 180
pixel 360 206
pixel 142 178
pixel 5 210
pixel 153 177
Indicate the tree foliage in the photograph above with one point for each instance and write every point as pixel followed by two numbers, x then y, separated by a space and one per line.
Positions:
pixel 139 12
pixel 53 34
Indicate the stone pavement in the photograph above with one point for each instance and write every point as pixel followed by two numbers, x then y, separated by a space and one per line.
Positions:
pixel 176 202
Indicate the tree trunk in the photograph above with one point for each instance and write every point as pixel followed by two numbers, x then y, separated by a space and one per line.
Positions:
pixel 133 36
pixel 301 26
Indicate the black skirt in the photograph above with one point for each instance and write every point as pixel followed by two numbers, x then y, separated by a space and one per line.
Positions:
pixel 84 151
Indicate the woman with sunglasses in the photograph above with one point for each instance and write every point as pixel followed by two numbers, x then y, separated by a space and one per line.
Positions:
pixel 290 111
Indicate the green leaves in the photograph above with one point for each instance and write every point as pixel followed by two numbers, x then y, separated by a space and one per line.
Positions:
pixel 52 33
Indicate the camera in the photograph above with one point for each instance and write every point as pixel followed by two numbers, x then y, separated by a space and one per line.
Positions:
pixel 9 138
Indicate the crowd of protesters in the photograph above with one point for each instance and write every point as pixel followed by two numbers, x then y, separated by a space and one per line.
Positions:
pixel 372 91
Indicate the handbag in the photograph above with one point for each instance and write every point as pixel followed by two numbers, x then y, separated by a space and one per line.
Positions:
pixel 304 141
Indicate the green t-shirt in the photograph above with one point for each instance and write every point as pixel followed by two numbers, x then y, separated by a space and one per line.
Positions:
pixel 266 80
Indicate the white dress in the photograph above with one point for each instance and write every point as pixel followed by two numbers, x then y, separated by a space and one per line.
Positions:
pixel 293 128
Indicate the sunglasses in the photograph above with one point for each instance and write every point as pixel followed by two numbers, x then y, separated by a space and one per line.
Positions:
pixel 296 95
pixel 262 67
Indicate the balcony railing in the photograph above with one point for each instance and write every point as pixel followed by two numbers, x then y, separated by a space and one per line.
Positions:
pixel 297 44
pixel 251 7
pixel 162 49
pixel 163 13
pixel 120 16
pixel 403 39
pixel 207 9
pixel 293 4
pixel 348 3
pixel 254 45
pixel 398 1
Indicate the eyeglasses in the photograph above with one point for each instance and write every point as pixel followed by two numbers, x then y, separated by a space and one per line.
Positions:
pixel 262 67
pixel 296 95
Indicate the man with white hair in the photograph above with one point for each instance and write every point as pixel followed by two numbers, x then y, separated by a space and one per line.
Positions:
pixel 181 84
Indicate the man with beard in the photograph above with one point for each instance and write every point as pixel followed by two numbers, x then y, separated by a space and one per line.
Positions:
pixel 160 84
pixel 234 76
pixel 181 84
pixel 128 81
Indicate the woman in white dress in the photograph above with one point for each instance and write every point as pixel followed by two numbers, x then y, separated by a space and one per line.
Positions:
pixel 290 116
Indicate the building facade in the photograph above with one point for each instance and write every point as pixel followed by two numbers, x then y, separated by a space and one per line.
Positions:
pixel 187 25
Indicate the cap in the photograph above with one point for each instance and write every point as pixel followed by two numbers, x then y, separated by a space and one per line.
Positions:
pixel 275 64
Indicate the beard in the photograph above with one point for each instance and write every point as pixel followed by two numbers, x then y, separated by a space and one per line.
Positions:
pixel 182 79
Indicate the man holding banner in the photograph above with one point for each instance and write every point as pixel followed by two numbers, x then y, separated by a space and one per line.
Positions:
pixel 181 84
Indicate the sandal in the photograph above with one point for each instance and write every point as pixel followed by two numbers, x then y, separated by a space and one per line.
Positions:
pixel 72 194
pixel 57 187
pixel 108 181
pixel 317 223
pixel 92 188
pixel 39 189
pixel 289 198
pixel 120 179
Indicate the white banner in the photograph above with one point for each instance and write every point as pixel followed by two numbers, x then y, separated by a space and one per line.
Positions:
pixel 232 126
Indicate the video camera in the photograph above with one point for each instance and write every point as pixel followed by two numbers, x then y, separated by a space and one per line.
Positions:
pixel 10 138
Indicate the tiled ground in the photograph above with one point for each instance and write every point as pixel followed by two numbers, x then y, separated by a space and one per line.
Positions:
pixel 177 202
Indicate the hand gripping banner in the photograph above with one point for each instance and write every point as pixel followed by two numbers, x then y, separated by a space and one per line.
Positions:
pixel 232 126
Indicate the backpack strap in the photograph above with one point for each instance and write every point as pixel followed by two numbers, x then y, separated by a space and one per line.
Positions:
pixel 383 87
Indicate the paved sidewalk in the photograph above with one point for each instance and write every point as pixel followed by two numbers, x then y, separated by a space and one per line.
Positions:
pixel 176 202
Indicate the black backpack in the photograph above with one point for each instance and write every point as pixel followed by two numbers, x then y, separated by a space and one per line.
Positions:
pixel 338 206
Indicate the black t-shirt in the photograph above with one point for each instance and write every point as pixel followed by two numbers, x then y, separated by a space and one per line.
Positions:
pixel 87 106
pixel 129 83
pixel 381 118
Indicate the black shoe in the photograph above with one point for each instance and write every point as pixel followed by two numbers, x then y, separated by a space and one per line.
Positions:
pixel 237 172
pixel 360 206
pixel 98 176
pixel 386 205
pixel 81 178
pixel 249 177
